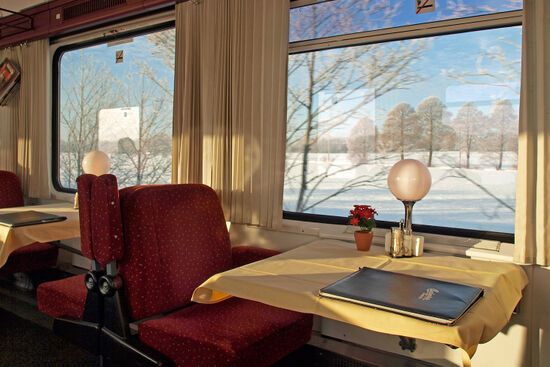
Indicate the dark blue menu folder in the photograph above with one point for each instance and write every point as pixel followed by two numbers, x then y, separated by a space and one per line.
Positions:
pixel 27 218
pixel 427 299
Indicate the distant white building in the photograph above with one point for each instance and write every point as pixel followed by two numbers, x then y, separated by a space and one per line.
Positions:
pixel 118 126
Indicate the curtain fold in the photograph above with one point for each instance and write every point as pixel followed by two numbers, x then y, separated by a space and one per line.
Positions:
pixel 532 232
pixel 24 148
pixel 230 121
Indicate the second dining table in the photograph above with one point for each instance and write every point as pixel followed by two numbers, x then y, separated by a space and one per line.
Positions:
pixel 13 238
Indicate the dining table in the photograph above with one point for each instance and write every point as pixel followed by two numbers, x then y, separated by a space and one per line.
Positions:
pixel 13 238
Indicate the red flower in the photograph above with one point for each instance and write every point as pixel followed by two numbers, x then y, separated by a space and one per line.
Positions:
pixel 363 216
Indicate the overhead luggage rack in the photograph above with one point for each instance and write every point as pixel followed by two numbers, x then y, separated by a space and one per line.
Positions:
pixel 21 23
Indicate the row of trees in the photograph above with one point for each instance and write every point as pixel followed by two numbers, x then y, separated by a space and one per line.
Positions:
pixel 431 128
pixel 428 128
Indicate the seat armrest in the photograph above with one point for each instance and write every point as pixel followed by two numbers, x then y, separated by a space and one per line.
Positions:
pixel 243 255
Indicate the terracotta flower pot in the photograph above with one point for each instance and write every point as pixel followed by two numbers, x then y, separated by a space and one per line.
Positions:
pixel 363 240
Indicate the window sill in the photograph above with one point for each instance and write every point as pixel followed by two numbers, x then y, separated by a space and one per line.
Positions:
pixel 473 248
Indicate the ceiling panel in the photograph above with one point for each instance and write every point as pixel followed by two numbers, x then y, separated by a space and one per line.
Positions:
pixel 18 5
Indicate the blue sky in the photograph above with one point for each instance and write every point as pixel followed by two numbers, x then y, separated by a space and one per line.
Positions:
pixel 139 49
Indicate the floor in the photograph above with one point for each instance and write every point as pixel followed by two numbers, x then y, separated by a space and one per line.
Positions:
pixel 27 339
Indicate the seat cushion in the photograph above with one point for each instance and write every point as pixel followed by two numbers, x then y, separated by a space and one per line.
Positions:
pixel 64 297
pixel 235 332
pixel 35 256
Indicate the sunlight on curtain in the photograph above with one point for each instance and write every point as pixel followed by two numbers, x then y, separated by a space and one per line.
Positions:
pixel 533 184
pixel 24 148
pixel 230 104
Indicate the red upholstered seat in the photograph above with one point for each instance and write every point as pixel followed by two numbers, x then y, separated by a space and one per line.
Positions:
pixel 34 256
pixel 235 332
pixel 67 297
pixel 64 297
pixel 11 193
pixel 176 238
pixel 31 257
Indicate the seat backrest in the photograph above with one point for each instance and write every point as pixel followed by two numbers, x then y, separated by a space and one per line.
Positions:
pixel 84 186
pixel 11 193
pixel 175 238
pixel 107 234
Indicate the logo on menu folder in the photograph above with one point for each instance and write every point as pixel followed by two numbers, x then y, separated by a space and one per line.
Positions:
pixel 428 294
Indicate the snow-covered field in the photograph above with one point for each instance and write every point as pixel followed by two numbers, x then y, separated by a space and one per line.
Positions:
pixel 480 197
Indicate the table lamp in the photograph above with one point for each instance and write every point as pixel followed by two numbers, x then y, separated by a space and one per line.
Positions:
pixel 96 163
pixel 409 181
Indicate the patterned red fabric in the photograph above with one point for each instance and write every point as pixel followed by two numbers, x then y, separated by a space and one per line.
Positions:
pixel 64 297
pixel 234 332
pixel 84 185
pixel 106 220
pixel 31 257
pixel 11 193
pixel 175 238
pixel 243 255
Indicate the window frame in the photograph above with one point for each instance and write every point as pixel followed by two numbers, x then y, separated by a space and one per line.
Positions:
pixel 438 28
pixel 98 37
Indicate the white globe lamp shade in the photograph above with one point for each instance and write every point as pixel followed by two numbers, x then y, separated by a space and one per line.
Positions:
pixel 409 180
pixel 96 162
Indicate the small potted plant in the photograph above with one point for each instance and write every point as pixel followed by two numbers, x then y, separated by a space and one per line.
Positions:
pixel 363 216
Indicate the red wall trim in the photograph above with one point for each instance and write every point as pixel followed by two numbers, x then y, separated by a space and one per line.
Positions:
pixel 48 19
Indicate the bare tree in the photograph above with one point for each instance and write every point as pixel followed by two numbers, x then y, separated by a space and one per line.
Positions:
pixel 148 159
pixel 86 87
pixel 342 80
pixel 164 47
pixel 400 130
pixel 494 67
pixel 469 125
pixel 435 134
pixel 503 129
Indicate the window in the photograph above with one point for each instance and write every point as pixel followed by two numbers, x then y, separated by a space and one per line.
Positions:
pixel 345 17
pixel 115 95
pixel 446 93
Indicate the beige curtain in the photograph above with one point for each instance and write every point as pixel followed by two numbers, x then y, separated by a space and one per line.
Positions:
pixel 230 103
pixel 24 148
pixel 533 183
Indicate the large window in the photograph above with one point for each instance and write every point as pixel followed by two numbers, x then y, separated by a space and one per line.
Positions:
pixel 115 96
pixel 446 94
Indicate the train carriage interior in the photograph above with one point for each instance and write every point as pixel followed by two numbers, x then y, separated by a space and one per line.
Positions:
pixel 354 183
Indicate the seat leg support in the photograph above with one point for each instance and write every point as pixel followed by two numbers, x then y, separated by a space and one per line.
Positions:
pixel 129 351
pixel 82 333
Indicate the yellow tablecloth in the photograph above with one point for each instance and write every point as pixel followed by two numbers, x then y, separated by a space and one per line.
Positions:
pixel 292 280
pixel 13 238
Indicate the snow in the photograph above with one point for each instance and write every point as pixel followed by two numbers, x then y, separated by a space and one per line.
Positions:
pixel 480 197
